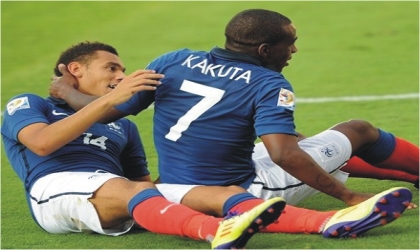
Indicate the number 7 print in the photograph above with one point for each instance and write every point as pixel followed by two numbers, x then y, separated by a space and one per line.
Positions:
pixel 211 97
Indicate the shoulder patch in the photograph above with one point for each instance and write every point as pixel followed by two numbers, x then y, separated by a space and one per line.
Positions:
pixel 286 99
pixel 16 104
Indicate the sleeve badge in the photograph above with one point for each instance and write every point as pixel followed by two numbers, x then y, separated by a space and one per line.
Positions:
pixel 16 104
pixel 286 99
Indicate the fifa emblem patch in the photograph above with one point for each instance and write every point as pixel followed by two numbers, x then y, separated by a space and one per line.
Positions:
pixel 16 104
pixel 286 99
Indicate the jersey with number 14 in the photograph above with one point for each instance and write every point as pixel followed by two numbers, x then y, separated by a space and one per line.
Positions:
pixel 114 147
pixel 209 110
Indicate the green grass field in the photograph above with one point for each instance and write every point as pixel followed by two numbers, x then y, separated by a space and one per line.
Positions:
pixel 345 49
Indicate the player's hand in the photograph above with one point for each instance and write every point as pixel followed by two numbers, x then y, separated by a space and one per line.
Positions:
pixel 61 85
pixel 139 80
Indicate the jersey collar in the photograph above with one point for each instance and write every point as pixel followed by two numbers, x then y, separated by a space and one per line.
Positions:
pixel 58 102
pixel 234 56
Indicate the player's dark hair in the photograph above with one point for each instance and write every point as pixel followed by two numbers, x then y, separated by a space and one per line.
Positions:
pixel 83 52
pixel 254 27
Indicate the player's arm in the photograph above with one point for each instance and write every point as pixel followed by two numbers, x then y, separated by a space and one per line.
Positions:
pixel 43 139
pixel 285 152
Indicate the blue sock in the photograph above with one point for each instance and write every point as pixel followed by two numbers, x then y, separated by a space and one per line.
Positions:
pixel 236 199
pixel 142 196
pixel 380 150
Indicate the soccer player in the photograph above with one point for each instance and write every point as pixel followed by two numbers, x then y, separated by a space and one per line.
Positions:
pixel 83 176
pixel 211 106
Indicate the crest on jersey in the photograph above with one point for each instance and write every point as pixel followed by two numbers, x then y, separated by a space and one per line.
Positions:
pixel 286 99
pixel 16 104
pixel 115 127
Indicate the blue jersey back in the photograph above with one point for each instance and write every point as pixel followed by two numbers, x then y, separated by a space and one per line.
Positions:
pixel 209 110
pixel 114 147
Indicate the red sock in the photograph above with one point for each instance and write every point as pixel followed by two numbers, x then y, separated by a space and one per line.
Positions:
pixel 404 158
pixel 246 205
pixel 299 220
pixel 158 215
pixel 292 220
pixel 356 167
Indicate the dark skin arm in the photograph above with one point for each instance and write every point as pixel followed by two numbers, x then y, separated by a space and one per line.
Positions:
pixel 285 152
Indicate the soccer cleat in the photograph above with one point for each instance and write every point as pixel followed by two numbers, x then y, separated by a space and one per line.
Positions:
pixel 379 210
pixel 234 232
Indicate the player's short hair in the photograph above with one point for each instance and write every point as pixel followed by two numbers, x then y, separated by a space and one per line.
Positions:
pixel 254 27
pixel 83 52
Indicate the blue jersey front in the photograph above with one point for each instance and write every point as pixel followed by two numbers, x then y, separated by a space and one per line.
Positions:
pixel 114 147
pixel 209 110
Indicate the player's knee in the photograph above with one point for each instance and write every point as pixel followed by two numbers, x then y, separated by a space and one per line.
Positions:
pixel 361 128
pixel 142 185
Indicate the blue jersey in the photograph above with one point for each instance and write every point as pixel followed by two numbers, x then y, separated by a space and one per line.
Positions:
pixel 114 147
pixel 209 110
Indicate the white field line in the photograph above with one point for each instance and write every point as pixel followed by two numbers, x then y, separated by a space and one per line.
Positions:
pixel 352 98
pixel 347 98
pixel 357 98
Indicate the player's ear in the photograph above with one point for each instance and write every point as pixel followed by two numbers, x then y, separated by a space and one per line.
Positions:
pixel 264 50
pixel 76 69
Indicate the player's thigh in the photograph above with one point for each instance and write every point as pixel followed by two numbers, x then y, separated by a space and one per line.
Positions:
pixel 60 203
pixel 330 149
pixel 117 192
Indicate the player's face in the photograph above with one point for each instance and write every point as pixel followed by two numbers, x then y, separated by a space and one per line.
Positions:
pixel 101 74
pixel 281 53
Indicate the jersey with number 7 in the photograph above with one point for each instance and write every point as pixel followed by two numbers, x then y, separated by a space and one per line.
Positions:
pixel 209 110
